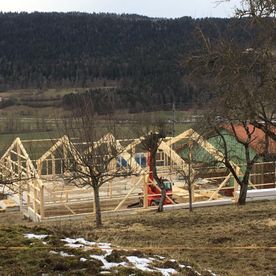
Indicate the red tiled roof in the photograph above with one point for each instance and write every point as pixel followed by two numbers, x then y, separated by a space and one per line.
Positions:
pixel 258 138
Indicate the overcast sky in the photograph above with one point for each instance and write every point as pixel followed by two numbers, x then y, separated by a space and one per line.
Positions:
pixel 153 8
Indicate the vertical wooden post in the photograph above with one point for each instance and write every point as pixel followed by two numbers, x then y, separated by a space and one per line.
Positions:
pixel 110 183
pixel 53 165
pixel 42 213
pixel 34 198
pixel 146 192
pixel 190 181
pixel 28 184
pixel 133 151
pixel 9 165
pixel 19 163
pixel 39 167
pixel 19 170
pixel 65 158
pixel 20 197
pixel 47 166
pixel 28 195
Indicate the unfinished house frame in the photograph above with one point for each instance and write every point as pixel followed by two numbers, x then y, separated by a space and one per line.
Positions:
pixel 43 192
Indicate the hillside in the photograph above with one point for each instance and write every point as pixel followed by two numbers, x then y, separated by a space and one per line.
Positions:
pixel 226 240
pixel 143 56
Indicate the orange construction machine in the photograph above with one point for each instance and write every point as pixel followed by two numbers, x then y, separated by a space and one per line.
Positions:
pixel 153 191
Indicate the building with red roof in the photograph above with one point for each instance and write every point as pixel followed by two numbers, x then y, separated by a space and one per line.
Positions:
pixel 258 138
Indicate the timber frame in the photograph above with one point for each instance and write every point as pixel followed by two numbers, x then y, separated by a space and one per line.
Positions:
pixel 28 179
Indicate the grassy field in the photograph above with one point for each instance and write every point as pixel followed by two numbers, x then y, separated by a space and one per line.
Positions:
pixel 32 128
pixel 29 122
pixel 227 240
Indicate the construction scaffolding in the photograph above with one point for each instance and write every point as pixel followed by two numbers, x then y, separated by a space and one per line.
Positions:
pixel 41 189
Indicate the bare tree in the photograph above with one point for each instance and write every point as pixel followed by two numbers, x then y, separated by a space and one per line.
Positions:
pixel 240 80
pixel 93 153
pixel 243 181
pixel 257 8
pixel 189 175
pixel 260 63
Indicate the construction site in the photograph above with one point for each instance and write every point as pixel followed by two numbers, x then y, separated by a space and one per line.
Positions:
pixel 40 188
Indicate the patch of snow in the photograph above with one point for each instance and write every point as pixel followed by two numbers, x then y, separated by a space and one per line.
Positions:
pixel 140 263
pixel 105 247
pixel 75 245
pixel 143 264
pixel 79 241
pixel 106 264
pixel 212 273
pixel 34 236
pixel 64 254
pixel 194 271
pixel 61 253
pixel 167 271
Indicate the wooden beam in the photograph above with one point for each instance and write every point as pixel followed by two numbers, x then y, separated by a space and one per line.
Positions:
pixel 50 151
pixel 220 186
pixel 128 194
pixel 174 157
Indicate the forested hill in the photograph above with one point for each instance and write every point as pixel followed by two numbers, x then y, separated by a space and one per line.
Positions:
pixel 73 49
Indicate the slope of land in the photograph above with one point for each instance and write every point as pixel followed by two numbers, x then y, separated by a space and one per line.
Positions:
pixel 227 240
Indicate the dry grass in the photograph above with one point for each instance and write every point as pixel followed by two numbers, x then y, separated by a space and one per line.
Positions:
pixel 228 240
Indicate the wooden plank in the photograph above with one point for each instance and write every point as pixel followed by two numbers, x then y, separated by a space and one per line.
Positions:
pixel 220 186
pixel 50 151
pixel 128 194
pixel 174 157
pixel 55 197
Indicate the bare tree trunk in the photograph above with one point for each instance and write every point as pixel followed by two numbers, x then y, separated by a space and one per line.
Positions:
pixel 190 188
pixel 243 194
pixel 162 199
pixel 97 206
pixel 158 180
pixel 190 197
